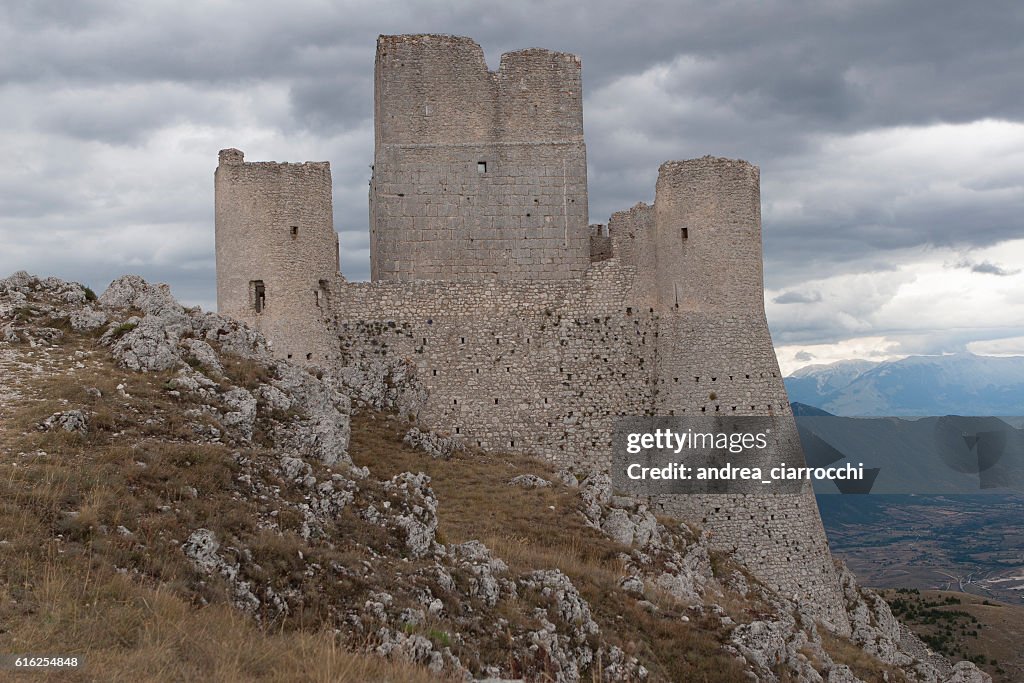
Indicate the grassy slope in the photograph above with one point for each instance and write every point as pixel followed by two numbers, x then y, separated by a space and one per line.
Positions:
pixel 129 605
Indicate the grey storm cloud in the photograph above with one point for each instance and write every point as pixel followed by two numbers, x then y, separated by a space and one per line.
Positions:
pixel 111 115
pixel 986 268
pixel 794 297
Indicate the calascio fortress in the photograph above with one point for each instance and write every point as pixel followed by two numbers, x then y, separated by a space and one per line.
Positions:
pixel 532 330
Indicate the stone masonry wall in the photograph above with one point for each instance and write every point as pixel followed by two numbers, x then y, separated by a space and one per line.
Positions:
pixel 538 367
pixel 723 363
pixel 477 174
pixel 275 226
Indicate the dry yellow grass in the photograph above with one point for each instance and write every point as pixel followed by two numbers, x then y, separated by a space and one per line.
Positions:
pixel 127 631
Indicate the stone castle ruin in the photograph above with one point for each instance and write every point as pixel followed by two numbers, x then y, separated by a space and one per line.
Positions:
pixel 531 330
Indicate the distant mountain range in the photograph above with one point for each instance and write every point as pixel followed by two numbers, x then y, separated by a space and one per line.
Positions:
pixel 955 384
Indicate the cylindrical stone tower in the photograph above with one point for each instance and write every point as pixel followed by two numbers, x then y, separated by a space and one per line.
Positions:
pixel 276 250
pixel 715 358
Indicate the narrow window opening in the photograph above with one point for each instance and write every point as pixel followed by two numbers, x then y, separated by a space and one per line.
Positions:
pixel 481 167
pixel 495 401
pixel 259 295
pixel 294 231
pixel 685 233
pixel 435 373
pixel 289 356
pixel 309 356
pixel 458 430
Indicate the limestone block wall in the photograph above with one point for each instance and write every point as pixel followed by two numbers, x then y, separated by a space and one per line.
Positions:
pixel 538 367
pixel 276 250
pixel 600 243
pixel 483 172
pixel 708 235
pixel 724 364
pixel 632 235
pixel 436 214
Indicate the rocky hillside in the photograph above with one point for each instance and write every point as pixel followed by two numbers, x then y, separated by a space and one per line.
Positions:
pixel 179 505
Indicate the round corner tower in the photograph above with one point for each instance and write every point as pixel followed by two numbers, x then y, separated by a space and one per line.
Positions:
pixel 708 235
pixel 276 250
pixel 715 357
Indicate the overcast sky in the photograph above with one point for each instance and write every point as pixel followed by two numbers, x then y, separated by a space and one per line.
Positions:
pixel 890 137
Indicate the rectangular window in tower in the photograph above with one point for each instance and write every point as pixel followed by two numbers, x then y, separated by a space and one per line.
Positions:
pixel 685 233
pixel 481 167
pixel 294 231
pixel 259 295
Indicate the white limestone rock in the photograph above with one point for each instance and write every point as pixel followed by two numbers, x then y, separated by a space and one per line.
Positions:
pixel 416 512
pixel 132 291
pixel 487 571
pixel 529 481
pixel 68 421
pixel 87 319
pixel 203 354
pixel 323 431
pixel 201 549
pixel 433 444
pixel 241 412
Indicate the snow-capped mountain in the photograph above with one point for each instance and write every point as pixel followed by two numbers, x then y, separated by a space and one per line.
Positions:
pixel 955 384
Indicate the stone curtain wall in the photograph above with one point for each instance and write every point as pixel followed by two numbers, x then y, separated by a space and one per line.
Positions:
pixel 477 174
pixel 539 367
pixel 274 224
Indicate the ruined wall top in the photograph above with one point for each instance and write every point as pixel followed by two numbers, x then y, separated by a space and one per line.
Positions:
pixel 436 89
